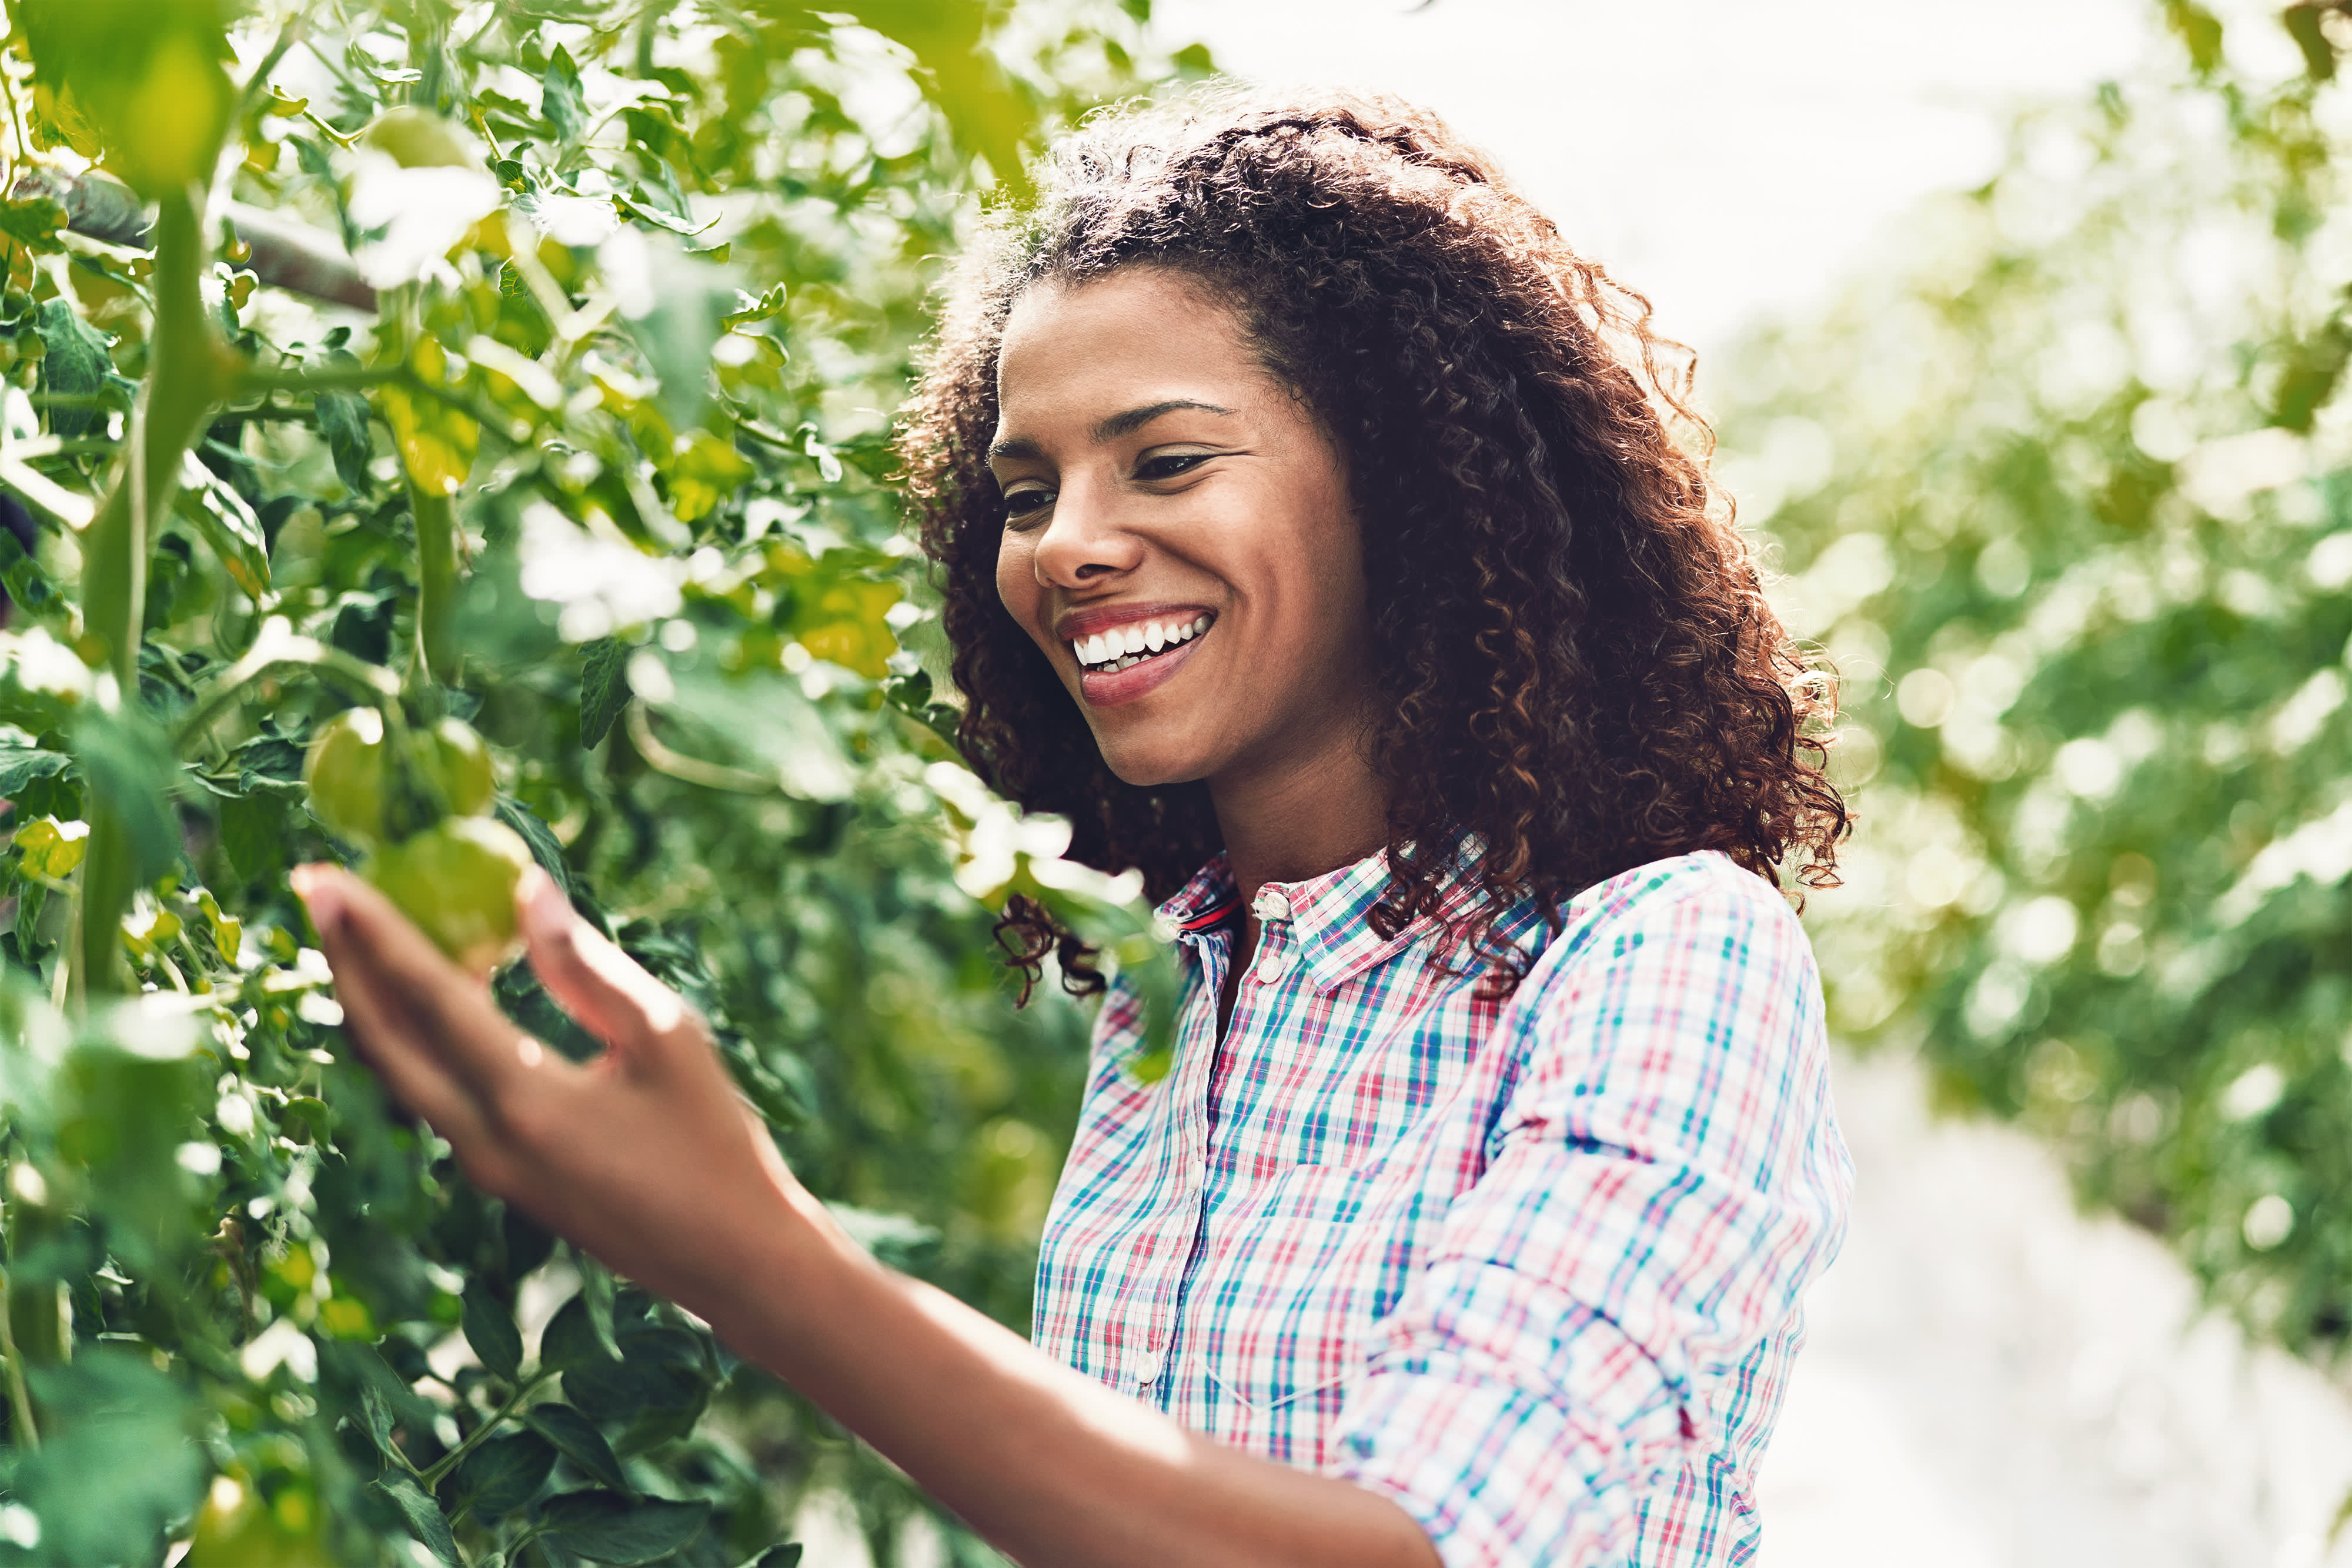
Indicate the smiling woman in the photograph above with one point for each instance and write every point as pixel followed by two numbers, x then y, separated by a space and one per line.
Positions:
pixel 1316 537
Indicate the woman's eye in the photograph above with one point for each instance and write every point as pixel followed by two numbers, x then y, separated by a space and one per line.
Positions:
pixel 1020 503
pixel 1171 465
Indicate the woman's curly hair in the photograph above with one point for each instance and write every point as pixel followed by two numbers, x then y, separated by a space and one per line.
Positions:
pixel 1576 664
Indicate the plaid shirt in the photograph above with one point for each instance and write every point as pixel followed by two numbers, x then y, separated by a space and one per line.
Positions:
pixel 1532 1268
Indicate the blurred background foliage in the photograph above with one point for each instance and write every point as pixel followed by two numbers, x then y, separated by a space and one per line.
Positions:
pixel 2067 494
pixel 616 300
pixel 536 365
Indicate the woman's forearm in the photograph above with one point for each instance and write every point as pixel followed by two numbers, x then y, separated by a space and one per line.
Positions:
pixel 646 1157
pixel 1049 1465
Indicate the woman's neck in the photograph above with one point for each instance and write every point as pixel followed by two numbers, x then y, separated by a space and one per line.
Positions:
pixel 1296 822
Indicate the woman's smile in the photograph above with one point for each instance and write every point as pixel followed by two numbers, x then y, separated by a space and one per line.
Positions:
pixel 1123 653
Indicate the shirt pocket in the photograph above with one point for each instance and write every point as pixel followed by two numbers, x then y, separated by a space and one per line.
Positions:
pixel 1285 1320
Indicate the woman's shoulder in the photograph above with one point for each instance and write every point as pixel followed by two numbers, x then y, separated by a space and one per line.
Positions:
pixel 1695 906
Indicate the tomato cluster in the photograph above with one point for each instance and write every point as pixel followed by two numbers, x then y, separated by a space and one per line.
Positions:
pixel 420 803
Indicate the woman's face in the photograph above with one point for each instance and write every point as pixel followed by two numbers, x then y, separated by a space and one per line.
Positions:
pixel 1178 534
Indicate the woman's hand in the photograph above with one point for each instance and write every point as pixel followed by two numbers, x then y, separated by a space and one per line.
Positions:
pixel 647 1155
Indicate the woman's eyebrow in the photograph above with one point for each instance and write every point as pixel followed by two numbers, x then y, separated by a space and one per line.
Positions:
pixel 1110 428
pixel 1135 419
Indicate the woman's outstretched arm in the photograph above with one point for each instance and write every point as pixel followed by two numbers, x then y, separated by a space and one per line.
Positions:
pixel 648 1157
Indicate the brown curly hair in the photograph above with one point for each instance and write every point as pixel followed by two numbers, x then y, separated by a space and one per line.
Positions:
pixel 1575 660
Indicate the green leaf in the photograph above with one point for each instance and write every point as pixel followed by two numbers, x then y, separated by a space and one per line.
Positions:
pixel 149 76
pixel 504 1474
pixel 426 1520
pixel 536 833
pixel 568 1341
pixel 664 1370
pixel 2199 30
pixel 74 364
pixel 251 836
pixel 986 112
pixel 33 221
pixel 21 762
pixel 2318 54
pixel 437 442
pixel 229 526
pixel 375 1417
pixel 598 1292
pixel 490 1330
pixel 272 757
pixel 117 1459
pixel 605 1528
pixel 786 1557
pixel 604 689
pixel 561 103
pixel 343 424
pixel 131 772
pixel 576 1439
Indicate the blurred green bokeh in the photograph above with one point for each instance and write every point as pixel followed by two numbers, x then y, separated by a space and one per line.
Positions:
pixel 2066 493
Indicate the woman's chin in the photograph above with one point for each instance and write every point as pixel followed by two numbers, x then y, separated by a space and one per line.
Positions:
pixel 1147 764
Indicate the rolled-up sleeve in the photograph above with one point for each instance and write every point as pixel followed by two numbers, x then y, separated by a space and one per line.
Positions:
pixel 1664 1180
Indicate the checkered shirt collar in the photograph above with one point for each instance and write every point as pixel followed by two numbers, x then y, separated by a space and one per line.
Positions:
pixel 1328 913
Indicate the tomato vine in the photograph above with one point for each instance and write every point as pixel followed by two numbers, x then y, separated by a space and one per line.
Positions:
pixel 525 372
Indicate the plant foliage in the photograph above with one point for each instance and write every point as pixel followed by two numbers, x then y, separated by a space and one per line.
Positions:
pixel 529 365
pixel 2070 500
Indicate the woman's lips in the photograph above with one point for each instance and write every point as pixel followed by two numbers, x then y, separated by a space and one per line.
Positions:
pixel 1108 688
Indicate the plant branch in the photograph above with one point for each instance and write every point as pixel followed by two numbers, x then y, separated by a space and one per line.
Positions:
pixel 430 1477
pixel 20 1397
pixel 277 647
pixel 690 770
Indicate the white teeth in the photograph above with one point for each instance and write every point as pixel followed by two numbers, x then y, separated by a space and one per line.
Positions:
pixel 1127 646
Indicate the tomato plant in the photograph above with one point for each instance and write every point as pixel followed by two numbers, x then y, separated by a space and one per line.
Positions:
pixel 2077 523
pixel 483 410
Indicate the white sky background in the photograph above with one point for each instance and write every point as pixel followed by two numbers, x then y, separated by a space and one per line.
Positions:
pixel 1730 160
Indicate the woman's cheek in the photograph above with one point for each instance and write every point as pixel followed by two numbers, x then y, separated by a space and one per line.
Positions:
pixel 1016 576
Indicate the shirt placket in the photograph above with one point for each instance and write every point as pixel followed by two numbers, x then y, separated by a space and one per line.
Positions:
pixel 1278 949
pixel 1144 1362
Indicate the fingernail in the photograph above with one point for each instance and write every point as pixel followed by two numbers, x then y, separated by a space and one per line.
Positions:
pixel 546 913
pixel 320 894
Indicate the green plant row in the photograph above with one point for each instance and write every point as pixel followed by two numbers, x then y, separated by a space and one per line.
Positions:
pixel 600 475
pixel 2068 496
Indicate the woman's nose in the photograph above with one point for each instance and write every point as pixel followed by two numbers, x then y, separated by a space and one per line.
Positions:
pixel 1086 537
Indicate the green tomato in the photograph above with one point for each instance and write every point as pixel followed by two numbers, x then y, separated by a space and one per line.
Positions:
pixel 454 756
pixel 236 1529
pixel 456 880
pixel 344 770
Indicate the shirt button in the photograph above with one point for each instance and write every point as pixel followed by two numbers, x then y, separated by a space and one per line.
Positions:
pixel 1270 905
pixel 1147 1368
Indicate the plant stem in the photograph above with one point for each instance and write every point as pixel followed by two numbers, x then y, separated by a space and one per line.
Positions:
pixel 336 378
pixel 278 647
pixel 430 1477
pixel 20 1399
pixel 181 387
pixel 436 585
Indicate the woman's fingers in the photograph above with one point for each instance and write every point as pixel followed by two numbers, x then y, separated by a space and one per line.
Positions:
pixel 429 1001
pixel 386 1031
pixel 594 981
